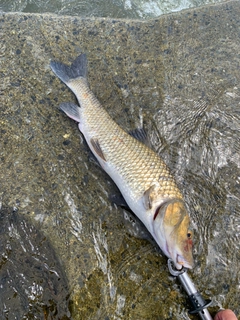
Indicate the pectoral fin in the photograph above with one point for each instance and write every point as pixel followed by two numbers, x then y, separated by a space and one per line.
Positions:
pixel 148 197
pixel 119 201
pixel 97 148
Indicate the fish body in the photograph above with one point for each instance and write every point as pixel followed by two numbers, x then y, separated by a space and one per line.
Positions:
pixel 140 174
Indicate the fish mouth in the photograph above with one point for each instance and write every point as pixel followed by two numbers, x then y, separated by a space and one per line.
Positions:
pixel 182 263
pixel 178 259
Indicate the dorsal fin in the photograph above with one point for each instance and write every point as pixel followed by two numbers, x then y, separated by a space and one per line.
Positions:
pixel 141 135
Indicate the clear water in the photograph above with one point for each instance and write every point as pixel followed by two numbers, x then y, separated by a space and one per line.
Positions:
pixel 131 9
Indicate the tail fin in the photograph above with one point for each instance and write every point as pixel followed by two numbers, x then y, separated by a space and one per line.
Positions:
pixel 66 73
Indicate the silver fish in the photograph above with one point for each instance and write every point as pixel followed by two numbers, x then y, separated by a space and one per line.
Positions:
pixel 140 174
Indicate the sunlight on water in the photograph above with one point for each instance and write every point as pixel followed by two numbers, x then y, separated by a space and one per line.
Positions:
pixel 75 217
pixel 131 9
pixel 102 252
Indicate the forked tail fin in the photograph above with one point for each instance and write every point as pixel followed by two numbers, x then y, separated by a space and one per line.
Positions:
pixel 67 73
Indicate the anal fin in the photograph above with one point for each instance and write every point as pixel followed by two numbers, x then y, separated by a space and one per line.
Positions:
pixel 97 148
pixel 71 109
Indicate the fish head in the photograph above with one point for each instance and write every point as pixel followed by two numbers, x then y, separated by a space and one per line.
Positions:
pixel 171 230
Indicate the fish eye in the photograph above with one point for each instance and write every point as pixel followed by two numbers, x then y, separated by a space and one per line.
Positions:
pixel 189 234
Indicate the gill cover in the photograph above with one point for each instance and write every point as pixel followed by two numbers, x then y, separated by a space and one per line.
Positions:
pixel 172 222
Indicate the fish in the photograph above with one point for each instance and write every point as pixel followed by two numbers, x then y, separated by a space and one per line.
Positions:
pixel 140 174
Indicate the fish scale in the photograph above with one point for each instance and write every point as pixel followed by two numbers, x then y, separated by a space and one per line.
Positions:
pixel 122 150
pixel 140 174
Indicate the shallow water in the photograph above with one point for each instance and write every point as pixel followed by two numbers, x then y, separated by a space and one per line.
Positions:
pixel 130 9
pixel 183 85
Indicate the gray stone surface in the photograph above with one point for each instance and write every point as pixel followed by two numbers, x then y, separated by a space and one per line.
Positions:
pixel 179 74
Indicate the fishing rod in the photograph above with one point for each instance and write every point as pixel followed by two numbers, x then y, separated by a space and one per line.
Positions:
pixel 199 305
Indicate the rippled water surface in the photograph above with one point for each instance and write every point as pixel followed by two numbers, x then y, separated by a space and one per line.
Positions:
pixel 131 9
